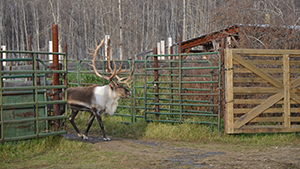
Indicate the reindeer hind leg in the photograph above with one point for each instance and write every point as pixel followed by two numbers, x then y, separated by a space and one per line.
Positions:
pixel 71 119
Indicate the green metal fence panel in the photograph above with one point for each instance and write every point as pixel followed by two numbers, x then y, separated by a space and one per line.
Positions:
pixel 24 112
pixel 189 89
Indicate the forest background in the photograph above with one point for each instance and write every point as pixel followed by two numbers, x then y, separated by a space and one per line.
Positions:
pixel 136 26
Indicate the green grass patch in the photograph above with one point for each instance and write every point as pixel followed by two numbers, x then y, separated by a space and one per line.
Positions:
pixel 56 152
pixel 182 132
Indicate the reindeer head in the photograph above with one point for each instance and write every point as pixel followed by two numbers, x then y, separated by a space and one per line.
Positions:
pixel 121 90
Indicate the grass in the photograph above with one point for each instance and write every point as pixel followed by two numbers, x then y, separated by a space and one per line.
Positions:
pixel 183 132
pixel 56 152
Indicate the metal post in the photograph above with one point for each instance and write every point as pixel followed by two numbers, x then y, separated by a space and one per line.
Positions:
pixel 38 68
pixel 55 75
pixel 65 64
pixel 29 56
pixel 180 87
pixel 162 49
pixel 170 47
pixel 1 94
pixel 156 79
pixel 65 75
pixel 2 68
pixel 29 48
pixel 179 45
pixel 223 46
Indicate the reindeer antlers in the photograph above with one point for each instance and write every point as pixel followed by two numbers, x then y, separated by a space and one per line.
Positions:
pixel 115 72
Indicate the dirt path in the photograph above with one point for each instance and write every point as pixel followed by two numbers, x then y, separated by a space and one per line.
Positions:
pixel 201 155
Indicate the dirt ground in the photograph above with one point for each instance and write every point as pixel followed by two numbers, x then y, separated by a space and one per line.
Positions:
pixel 164 154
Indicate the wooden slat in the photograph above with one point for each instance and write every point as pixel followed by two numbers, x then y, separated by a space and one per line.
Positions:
pixel 258 71
pixel 262 62
pixel 255 90
pixel 266 52
pixel 295 82
pixel 258 101
pixel 295 97
pixel 258 109
pixel 269 110
pixel 269 62
pixel 265 119
pixel 268 70
pixel 267 129
pixel 294 62
pixel 229 91
pixel 258 80
pixel 249 79
pixel 286 92
pixel 273 119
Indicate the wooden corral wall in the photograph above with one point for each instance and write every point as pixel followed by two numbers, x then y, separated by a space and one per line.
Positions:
pixel 262 91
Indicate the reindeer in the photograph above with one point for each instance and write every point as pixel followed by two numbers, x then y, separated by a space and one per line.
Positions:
pixel 98 99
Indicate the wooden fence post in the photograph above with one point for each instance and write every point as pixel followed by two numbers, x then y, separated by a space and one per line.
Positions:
pixel 286 86
pixel 229 91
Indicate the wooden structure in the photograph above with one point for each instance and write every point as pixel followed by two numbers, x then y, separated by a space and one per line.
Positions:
pixel 262 90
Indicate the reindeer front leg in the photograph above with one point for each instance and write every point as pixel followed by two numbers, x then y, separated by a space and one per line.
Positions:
pixel 91 119
pixel 98 116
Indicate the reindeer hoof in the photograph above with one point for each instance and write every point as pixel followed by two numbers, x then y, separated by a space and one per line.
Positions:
pixel 84 137
pixel 106 139
pixel 79 135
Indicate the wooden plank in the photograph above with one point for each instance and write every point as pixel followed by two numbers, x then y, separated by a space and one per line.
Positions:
pixel 294 62
pixel 286 84
pixel 267 70
pixel 269 62
pixel 258 71
pixel 295 83
pixel 295 97
pixel 258 109
pixel 269 110
pixel 265 52
pixel 258 101
pixel 271 119
pixel 248 79
pixel 267 129
pixel 229 91
pixel 265 119
pixel 255 90
pixel 259 80
pixel 262 62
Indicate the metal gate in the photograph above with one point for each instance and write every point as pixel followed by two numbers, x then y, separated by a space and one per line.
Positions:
pixel 24 106
pixel 183 90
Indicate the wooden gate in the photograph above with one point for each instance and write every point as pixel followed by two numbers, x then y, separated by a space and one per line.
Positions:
pixel 262 91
